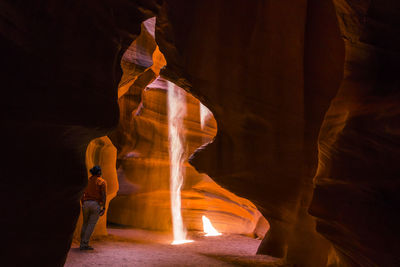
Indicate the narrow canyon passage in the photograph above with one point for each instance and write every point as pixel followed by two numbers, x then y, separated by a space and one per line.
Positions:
pixel 151 184
pixel 120 244
pixel 291 132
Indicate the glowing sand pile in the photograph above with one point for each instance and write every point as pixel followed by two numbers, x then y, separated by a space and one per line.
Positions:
pixel 176 113
pixel 208 228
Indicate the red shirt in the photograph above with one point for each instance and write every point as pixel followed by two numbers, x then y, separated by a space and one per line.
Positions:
pixel 94 190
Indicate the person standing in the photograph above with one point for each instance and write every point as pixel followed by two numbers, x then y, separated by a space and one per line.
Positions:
pixel 93 205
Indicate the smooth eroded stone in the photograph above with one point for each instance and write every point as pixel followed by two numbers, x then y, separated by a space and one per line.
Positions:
pixel 144 171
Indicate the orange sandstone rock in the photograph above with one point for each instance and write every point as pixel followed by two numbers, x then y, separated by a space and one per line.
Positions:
pixel 144 167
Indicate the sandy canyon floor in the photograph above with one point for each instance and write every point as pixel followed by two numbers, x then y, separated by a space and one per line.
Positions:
pixel 133 247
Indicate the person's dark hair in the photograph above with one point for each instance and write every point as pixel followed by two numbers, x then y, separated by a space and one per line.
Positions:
pixel 96 170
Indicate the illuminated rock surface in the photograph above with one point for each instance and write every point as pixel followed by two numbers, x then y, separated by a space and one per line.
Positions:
pixel 143 157
pixel 144 167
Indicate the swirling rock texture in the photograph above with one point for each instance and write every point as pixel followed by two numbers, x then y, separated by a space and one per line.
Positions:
pixel 268 70
pixel 144 198
pixel 356 197
pixel 143 157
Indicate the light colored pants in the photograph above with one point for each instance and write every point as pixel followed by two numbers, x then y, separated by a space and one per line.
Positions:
pixel 90 211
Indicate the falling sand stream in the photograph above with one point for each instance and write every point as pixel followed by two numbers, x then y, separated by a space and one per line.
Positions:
pixel 176 113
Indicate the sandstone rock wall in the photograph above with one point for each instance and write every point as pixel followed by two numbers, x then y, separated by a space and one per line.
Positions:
pixel 255 68
pixel 356 197
pixel 144 168
pixel 59 77
pixel 143 156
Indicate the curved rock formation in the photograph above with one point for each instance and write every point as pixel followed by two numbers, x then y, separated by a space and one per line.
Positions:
pixel 142 141
pixel 356 197
pixel 268 71
pixel 59 77
pixel 248 64
pixel 144 198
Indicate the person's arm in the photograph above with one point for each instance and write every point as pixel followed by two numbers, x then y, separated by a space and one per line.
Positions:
pixel 103 198
pixel 83 197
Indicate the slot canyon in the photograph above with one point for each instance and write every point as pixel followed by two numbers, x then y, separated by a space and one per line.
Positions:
pixel 287 116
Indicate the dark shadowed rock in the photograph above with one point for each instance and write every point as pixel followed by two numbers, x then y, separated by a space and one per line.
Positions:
pixel 356 197
pixel 59 77
pixel 268 72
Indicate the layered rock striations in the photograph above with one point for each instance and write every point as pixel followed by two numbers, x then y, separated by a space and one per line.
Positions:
pixel 247 63
pixel 356 197
pixel 143 200
pixel 143 158
pixel 267 70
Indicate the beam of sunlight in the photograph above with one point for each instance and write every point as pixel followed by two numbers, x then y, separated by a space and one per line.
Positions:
pixel 176 113
pixel 208 228
pixel 205 114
